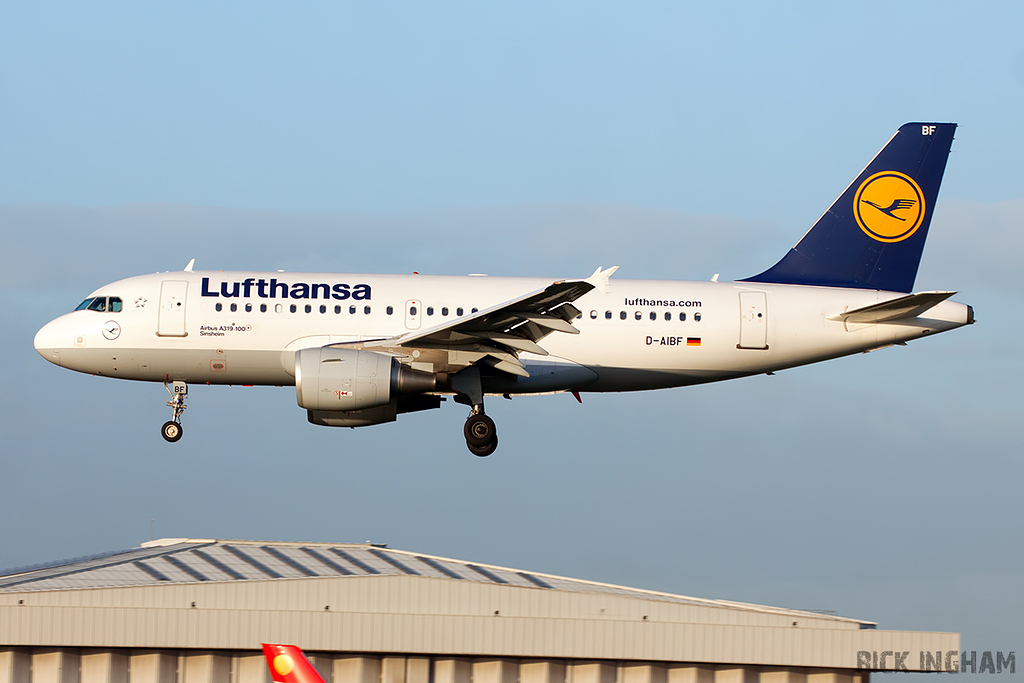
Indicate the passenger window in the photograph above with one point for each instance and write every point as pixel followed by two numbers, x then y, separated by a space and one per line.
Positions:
pixel 248 308
pixel 234 307
pixel 263 308
pixel 607 315
pixel 444 311
pixel 412 310
pixel 682 317
pixel 473 311
pixel 323 309
pixel 638 315
pixel 337 309
pixel 696 317
pixel 366 310
pixel 115 304
pixel 593 315
pixel 389 310
pixel 309 309
pixel 278 308
pixel 668 316
pixel 219 306
pixel 654 316
pixel 98 304
pixel 292 308
pixel 352 310
pixel 622 315
pixel 458 311
pixel 430 310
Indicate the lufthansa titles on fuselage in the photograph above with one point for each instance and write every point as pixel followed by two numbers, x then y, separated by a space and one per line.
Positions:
pixel 662 302
pixel 274 289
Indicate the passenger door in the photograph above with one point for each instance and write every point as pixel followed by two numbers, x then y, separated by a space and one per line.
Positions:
pixel 171 320
pixel 753 321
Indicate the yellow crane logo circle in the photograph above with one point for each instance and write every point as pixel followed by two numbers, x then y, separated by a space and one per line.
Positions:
pixel 283 664
pixel 889 206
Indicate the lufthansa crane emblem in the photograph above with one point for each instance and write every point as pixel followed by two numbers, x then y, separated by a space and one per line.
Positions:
pixel 889 206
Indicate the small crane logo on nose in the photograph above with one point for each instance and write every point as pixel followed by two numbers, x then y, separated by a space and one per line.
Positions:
pixel 111 330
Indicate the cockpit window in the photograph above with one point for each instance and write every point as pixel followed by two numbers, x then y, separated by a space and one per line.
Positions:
pixel 100 303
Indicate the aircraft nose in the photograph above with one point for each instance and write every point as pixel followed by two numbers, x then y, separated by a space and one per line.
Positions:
pixel 48 341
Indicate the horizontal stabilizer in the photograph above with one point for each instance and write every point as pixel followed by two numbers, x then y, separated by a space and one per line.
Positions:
pixel 900 308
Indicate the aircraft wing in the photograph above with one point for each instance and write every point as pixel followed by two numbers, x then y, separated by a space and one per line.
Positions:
pixel 497 334
pixel 900 308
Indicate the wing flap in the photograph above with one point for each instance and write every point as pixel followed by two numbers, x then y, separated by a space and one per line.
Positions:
pixel 498 334
pixel 511 368
pixel 529 318
pixel 552 323
pixel 515 342
pixel 900 308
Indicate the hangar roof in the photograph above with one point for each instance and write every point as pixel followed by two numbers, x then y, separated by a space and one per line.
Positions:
pixel 189 560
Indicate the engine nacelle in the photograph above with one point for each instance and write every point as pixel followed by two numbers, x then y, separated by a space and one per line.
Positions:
pixel 374 416
pixel 333 379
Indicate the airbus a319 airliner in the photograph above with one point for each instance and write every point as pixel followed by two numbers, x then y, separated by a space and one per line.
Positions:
pixel 363 349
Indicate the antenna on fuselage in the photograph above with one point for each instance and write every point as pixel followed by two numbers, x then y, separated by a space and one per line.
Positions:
pixel 188 268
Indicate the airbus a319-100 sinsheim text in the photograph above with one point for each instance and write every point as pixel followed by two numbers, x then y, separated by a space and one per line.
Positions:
pixel 363 349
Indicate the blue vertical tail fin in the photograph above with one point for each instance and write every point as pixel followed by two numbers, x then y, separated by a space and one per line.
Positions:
pixel 873 235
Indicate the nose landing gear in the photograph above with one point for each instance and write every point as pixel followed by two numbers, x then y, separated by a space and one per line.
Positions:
pixel 172 431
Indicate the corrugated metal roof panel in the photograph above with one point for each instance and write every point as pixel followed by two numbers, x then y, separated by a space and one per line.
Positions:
pixel 219 565
pixel 292 562
pixel 188 569
pixel 328 562
pixel 355 561
pixel 439 567
pixel 188 561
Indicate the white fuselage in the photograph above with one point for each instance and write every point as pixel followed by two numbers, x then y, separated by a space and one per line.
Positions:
pixel 244 327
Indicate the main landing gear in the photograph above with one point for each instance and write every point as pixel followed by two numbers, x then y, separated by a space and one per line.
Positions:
pixel 171 430
pixel 481 436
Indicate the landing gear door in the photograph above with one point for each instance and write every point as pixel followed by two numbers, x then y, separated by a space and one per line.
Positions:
pixel 413 314
pixel 753 321
pixel 171 321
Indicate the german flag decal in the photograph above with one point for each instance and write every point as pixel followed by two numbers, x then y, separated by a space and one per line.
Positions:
pixel 693 341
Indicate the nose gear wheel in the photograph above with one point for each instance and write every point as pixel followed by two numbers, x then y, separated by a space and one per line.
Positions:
pixel 172 430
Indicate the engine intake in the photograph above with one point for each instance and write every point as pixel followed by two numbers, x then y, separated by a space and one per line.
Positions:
pixel 333 379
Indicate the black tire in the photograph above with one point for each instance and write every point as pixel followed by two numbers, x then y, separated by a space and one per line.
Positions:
pixel 171 431
pixel 485 450
pixel 479 430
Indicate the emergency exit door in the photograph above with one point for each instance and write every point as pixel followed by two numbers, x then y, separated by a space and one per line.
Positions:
pixel 753 321
pixel 413 314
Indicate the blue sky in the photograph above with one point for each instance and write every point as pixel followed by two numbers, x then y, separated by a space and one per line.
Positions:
pixel 526 138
